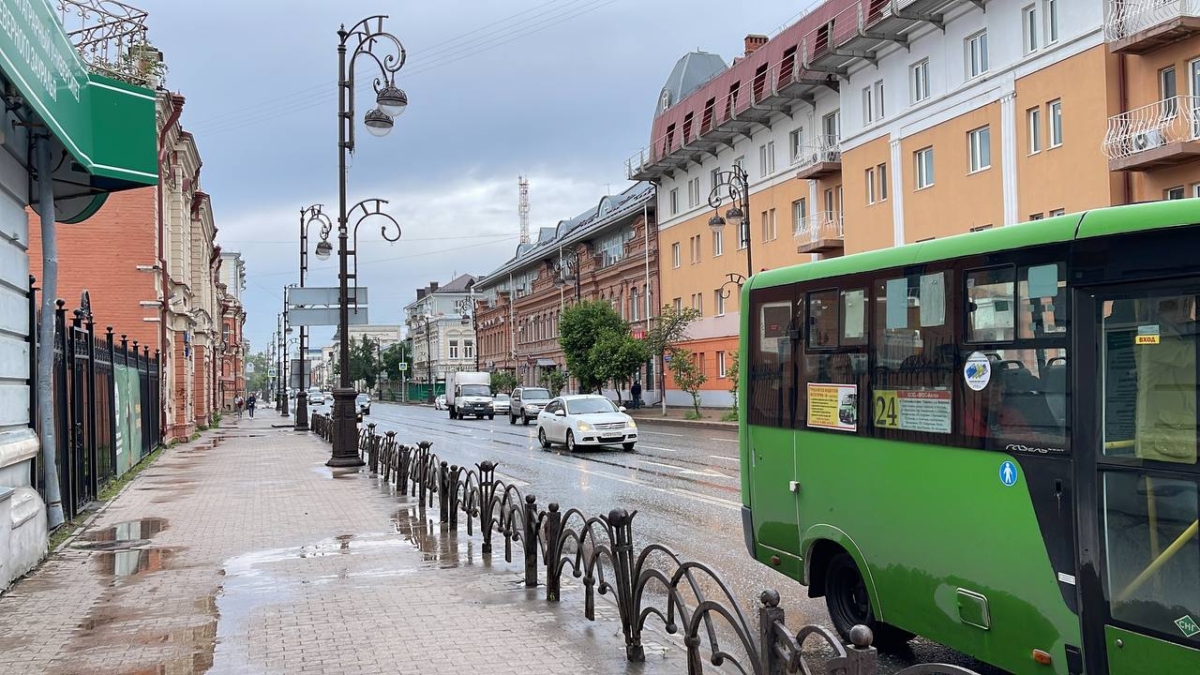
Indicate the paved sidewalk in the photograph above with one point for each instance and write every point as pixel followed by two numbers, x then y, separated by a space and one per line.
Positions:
pixel 250 556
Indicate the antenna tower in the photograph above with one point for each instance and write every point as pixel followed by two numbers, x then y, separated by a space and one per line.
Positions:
pixel 523 208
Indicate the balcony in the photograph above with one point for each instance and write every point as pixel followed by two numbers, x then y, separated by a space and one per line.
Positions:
pixel 819 158
pixel 1162 134
pixel 823 233
pixel 1140 26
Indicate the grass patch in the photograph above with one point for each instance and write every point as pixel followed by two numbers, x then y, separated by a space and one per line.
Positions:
pixel 731 416
pixel 109 491
pixel 65 530
pixel 195 436
pixel 693 415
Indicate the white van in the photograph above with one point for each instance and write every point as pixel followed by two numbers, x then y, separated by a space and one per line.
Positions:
pixel 470 394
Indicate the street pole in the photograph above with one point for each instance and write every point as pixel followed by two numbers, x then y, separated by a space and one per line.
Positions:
pixel 429 359
pixel 286 373
pixel 369 35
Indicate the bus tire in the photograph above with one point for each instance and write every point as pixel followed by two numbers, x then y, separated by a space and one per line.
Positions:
pixel 849 604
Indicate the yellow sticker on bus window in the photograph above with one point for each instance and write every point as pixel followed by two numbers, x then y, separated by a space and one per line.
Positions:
pixel 928 411
pixel 833 406
pixel 1147 335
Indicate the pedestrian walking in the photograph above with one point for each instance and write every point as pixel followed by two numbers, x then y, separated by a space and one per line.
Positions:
pixel 636 393
pixel 250 403
pixel 239 403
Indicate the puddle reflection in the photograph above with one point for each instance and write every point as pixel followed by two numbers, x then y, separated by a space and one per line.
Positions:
pixel 427 535
pixel 135 562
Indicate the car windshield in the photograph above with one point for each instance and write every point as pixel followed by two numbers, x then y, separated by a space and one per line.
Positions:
pixel 476 390
pixel 586 406
pixel 362 398
pixel 535 394
pixel 501 397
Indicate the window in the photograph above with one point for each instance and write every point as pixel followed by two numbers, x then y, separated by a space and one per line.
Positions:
pixel 1029 22
pixel 633 304
pixel 879 108
pixel 674 201
pixel 796 144
pixel 766 159
pixel 698 302
pixel 675 254
pixel 1035 216
pixel 924 167
pixel 868 106
pixel 831 125
pixel 823 319
pixel 980 143
pixel 718 242
pixel 695 246
pixel 454 349
pixel 721 365
pixel 768 225
pixel 611 249
pixel 1050 18
pixel 677 303
pixel 854 317
pixel 1196 190
pixel 870 178
pixel 719 302
pixel 693 192
pixel 1034 115
pixel 740 162
pixel 919 76
pixel 468 349
pixel 991 305
pixel 1168 90
pixel 981 228
pixel 700 363
pixel 714 177
pixel 799 215
pixel 977 54
pixel 1174 193
pixel 1056 129
pixel 1057 212
pixel 883 181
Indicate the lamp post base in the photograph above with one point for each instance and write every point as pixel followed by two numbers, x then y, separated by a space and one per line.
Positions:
pixel 301 411
pixel 345 430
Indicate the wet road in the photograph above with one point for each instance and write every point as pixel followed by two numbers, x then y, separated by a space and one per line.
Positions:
pixel 683 482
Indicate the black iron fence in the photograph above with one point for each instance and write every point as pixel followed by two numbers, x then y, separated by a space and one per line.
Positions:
pixel 652 583
pixel 107 403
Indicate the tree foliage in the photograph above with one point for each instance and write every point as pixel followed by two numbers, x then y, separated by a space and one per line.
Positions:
pixel 733 373
pixel 503 382
pixel 688 376
pixel 393 356
pixel 257 381
pixel 669 327
pixel 580 328
pixel 617 356
pixel 554 380
pixel 364 361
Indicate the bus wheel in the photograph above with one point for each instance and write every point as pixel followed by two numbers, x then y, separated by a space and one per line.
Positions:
pixel 849 604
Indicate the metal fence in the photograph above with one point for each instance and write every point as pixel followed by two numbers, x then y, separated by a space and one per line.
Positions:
pixel 652 583
pixel 107 403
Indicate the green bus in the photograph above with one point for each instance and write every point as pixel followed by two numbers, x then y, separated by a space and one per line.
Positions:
pixel 989 440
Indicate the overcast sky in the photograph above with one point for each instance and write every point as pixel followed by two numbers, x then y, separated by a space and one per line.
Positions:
pixel 560 91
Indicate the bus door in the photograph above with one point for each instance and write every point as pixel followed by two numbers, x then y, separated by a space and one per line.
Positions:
pixel 1135 382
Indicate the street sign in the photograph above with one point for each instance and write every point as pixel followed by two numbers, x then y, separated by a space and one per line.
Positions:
pixel 325 297
pixel 271 372
pixel 324 316
pixel 667 358
pixel 299 374
pixel 403 366
pixel 1008 473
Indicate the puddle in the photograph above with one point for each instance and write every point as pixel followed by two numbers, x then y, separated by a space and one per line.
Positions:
pixel 129 534
pixel 133 562
pixel 435 544
pixel 337 474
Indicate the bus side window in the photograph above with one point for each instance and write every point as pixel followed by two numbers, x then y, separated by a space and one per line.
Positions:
pixel 771 373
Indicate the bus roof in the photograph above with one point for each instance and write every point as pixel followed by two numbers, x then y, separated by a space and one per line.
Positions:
pixel 1095 223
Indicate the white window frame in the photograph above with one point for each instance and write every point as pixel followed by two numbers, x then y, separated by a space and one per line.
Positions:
pixel 718 242
pixel 453 349
pixel 922 164
pixel 796 143
pixel 693 192
pixel 976 52
pixel 674 197
pixel 694 244
pixel 721 365
pixel 1029 29
pixel 975 138
pixel 677 303
pixel 883 181
pixel 1182 191
pixel 1033 118
pixel 868 106
pixel 714 177
pixel 719 302
pixel 880 109
pixel 870 179
pixel 1056 212
pixel 919 79
pixel 770 157
pixel 1054 113
pixel 676 255
pixel 1050 21
pixel 799 214
pixel 468 349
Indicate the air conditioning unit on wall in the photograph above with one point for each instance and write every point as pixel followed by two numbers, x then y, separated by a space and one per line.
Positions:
pixel 1147 140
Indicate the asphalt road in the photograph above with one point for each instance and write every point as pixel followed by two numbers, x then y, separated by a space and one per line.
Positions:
pixel 683 482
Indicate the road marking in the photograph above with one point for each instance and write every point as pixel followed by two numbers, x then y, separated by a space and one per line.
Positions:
pixel 655 447
pixel 662 433
pixel 686 472
pixel 727 459
pixel 724 440
pixel 705 498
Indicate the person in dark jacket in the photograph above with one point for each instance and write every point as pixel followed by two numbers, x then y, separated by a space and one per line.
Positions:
pixel 636 393
pixel 250 403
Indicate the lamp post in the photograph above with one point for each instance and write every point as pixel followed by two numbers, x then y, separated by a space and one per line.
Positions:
pixel 567 269
pixel 423 321
pixel 278 360
pixel 365 37
pixel 285 369
pixel 734 185
pixel 307 216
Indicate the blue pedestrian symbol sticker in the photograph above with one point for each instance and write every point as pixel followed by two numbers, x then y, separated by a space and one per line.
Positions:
pixel 1008 473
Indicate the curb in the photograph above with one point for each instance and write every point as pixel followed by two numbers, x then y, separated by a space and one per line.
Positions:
pixel 696 424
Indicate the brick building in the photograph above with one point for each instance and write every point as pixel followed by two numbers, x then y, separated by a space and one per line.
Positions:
pixel 609 252
pixel 232 376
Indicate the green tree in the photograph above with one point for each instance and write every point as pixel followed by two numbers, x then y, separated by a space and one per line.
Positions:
pixel 256 381
pixel 688 376
pixel 616 356
pixel 554 380
pixel 393 356
pixel 733 372
pixel 364 361
pixel 503 382
pixel 670 326
pixel 580 328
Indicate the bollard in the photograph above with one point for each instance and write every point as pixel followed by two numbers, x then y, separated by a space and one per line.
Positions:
pixel 769 614
pixel 621 522
pixel 455 476
pixel 422 457
pixel 487 501
pixel 444 493
pixel 553 526
pixel 529 541
pixel 404 457
pixel 861 657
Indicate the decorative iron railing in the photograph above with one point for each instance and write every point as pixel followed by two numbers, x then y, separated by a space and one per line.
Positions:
pixel 1151 126
pixel 653 583
pixel 822 225
pixel 820 150
pixel 111 37
pixel 1129 17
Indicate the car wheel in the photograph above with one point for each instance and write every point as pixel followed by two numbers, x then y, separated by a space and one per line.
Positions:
pixel 512 420
pixel 570 441
pixel 491 417
pixel 524 419
pixel 542 438
pixel 452 413
pixel 628 447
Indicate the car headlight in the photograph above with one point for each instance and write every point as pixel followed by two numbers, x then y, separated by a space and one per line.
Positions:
pixel 531 407
pixel 584 426
pixel 631 424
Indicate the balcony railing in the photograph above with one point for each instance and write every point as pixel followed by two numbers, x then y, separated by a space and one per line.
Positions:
pixel 1127 18
pixel 1153 130
pixel 820 150
pixel 823 231
pixel 112 39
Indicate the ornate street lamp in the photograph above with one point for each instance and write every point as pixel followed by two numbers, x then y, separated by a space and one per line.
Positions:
pixel 366 37
pixel 307 216
pixel 566 268
pixel 735 186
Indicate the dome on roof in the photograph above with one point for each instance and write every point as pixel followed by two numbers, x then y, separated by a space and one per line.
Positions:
pixel 688 75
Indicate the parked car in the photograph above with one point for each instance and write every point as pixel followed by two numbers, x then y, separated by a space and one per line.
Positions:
pixel 526 403
pixel 500 404
pixel 439 403
pixel 363 402
pixel 315 396
pixel 585 420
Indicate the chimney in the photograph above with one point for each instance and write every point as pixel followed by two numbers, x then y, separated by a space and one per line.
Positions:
pixel 420 293
pixel 753 42
pixel 433 286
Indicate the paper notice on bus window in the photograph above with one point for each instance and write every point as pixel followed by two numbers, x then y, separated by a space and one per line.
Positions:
pixel 833 406
pixel 933 300
pixel 1043 281
pixel 855 324
pixel 897 303
pixel 928 411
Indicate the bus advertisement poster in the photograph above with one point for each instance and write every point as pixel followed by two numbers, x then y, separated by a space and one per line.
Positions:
pixel 833 406
pixel 928 411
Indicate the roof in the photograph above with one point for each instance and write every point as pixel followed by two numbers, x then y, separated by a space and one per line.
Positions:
pixel 461 284
pixel 689 74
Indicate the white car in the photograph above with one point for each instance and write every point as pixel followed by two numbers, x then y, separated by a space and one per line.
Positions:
pixel 501 403
pixel 439 403
pixel 585 420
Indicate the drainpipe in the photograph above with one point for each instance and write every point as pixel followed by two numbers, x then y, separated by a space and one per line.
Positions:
pixel 646 258
pixel 45 355
pixel 1123 92
pixel 177 102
